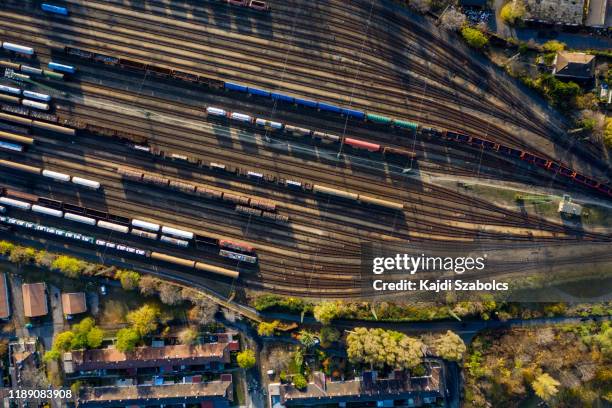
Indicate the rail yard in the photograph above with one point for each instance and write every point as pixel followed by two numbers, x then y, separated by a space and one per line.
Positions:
pixel 260 151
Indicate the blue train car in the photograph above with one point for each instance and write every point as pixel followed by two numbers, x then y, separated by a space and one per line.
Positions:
pixel 282 97
pixel 235 87
pixel 258 92
pixel 54 9
pixel 305 102
pixel 354 113
pixel 328 107
pixel 61 67
pixel 11 146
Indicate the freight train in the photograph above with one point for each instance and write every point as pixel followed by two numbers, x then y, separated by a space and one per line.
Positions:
pixel 258 5
pixel 38 103
pixel 94 185
pixel 258 207
pixel 359 115
pixel 31 70
pixel 123 225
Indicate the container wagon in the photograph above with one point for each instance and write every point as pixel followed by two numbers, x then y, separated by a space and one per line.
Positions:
pixel 63 11
pixel 61 67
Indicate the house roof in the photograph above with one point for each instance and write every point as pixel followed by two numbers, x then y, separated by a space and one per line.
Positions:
pixel 111 358
pixel 74 303
pixel 34 299
pixel 596 16
pixel 366 389
pixel 93 397
pixel 574 65
pixel 555 11
pixel 5 311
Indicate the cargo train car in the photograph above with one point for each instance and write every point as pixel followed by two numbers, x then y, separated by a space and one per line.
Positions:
pixel 238 257
pixel 62 11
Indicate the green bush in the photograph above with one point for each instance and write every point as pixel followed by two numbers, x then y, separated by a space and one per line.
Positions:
pixel 267 328
pixel 475 38
pixel 608 133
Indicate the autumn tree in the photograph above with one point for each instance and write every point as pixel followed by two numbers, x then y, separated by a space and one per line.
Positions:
pixel 475 38
pixel 299 381
pixel 545 386
pixel 307 338
pixel 452 20
pixel 68 265
pixel 95 337
pixel 379 348
pixel 328 335
pixel 513 11
pixel 246 359
pixel 327 311
pixel 144 319
pixel 127 339
pixel 267 328
pixel 129 279
pixel 148 285
pixel 449 346
pixel 187 336
pixel 169 294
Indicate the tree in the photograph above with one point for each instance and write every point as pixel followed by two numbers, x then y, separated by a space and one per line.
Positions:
pixel 129 279
pixel 187 336
pixel 148 285
pixel 267 328
pixel 307 338
pixel 144 319
pixel 298 358
pixel 68 265
pixel 449 346
pixel 63 341
pixel 452 20
pixel 422 6
pixel 327 311
pixel 169 294
pixel 328 335
pixel 604 340
pixel 545 386
pixel 553 46
pixel 95 337
pixel 299 381
pixel 52 355
pixel 513 12
pixel 608 133
pixel 127 339
pixel 380 348
pixel 246 359
pixel 22 255
pixel 6 247
pixel 474 37
pixel 202 315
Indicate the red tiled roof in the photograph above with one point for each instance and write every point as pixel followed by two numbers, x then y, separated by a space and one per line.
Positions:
pixel 5 311
pixel 111 358
pixel 34 299
pixel 74 303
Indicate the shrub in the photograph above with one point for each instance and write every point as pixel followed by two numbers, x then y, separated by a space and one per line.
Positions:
pixel 51 355
pixel 474 37
pixel 68 265
pixel 246 359
pixel 299 381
